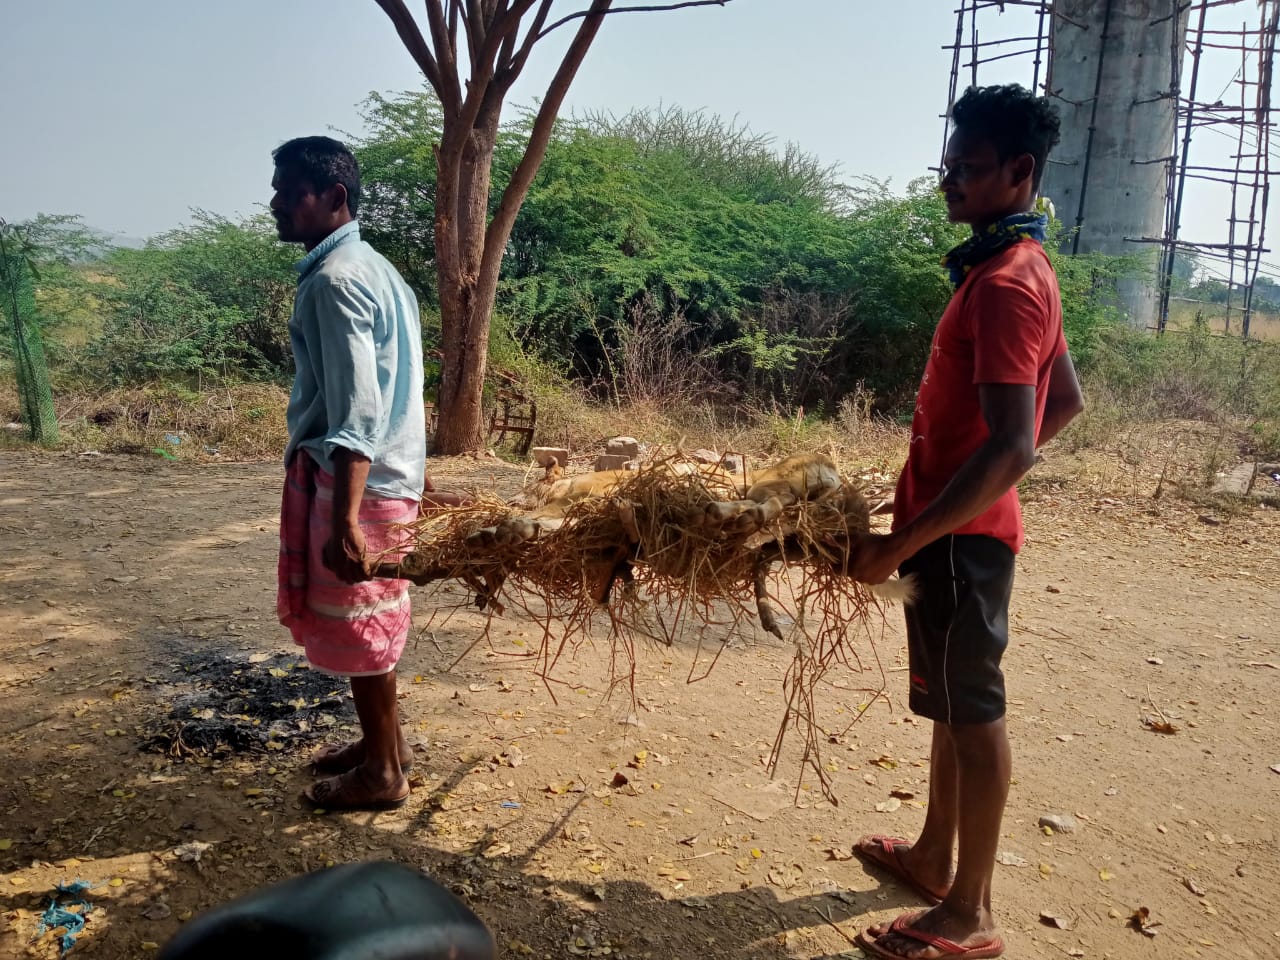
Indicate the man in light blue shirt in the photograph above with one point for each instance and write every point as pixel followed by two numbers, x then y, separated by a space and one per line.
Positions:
pixel 355 461
pixel 357 349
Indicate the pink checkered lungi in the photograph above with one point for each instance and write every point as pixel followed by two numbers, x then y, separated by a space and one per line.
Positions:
pixel 347 629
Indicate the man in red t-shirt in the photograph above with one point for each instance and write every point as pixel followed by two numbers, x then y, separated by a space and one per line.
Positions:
pixel 998 383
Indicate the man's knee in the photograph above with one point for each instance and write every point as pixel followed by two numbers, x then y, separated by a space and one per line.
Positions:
pixel 975 742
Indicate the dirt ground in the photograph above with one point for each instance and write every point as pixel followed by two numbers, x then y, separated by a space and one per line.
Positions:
pixel 122 577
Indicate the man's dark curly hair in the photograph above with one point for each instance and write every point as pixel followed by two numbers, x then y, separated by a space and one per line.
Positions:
pixel 1011 117
pixel 322 162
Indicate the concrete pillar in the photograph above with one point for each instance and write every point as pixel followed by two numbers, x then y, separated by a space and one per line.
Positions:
pixel 1108 176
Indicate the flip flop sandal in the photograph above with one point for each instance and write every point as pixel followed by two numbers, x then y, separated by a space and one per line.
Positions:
pixel 884 854
pixel 948 948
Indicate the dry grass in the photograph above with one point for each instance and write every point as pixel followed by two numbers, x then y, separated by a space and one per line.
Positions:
pixel 663 539
pixel 238 422
pixel 1182 314
pixel 684 575
pixel 1107 450
pixel 1170 459
pixel 854 435
pixel 246 422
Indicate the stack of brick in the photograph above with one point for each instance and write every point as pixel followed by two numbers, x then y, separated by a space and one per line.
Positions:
pixel 732 462
pixel 620 453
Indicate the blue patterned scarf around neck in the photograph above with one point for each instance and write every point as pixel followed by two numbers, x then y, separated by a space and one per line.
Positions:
pixel 991 240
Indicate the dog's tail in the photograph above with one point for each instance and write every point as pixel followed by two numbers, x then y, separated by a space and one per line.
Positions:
pixel 898 590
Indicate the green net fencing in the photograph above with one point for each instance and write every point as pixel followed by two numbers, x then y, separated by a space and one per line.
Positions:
pixel 19 310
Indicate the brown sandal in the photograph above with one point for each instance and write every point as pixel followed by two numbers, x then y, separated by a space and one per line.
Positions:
pixel 349 791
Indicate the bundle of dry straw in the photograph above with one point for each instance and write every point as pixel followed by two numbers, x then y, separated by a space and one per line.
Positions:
pixel 689 538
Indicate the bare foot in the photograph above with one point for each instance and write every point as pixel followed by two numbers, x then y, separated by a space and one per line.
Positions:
pixel 348 756
pixel 358 790
pixel 933 935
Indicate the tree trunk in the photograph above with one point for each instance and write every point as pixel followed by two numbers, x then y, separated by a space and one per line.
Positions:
pixel 470 248
pixel 480 244
pixel 462 216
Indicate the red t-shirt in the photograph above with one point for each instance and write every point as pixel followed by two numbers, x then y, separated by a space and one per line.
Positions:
pixel 1004 325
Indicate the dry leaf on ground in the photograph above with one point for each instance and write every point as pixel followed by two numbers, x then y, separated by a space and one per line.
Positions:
pixel 1141 921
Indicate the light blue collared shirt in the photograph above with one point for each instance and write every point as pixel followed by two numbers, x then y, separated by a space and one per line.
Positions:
pixel 357 346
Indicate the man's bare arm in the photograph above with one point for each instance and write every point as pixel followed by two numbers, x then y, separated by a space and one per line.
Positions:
pixel 344 554
pixel 1007 454
pixel 1065 400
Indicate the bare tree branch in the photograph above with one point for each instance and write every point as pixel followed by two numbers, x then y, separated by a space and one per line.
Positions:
pixel 454 7
pixel 485 18
pixel 477 28
pixel 446 53
pixel 654 8
pixel 483 95
pixel 499 229
pixel 413 40
pixel 516 64
pixel 498 40
pixel 509 40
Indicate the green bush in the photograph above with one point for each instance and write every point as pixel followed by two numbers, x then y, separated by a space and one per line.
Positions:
pixel 1090 311
pixel 211 299
pixel 665 259
pixel 156 329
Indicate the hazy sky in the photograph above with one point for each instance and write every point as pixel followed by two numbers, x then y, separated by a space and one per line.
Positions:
pixel 133 112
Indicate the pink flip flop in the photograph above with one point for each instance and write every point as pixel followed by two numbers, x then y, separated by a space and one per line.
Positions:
pixel 948 948
pixel 883 852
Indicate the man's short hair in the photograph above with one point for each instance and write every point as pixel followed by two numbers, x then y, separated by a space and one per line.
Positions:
pixel 322 162
pixel 1013 118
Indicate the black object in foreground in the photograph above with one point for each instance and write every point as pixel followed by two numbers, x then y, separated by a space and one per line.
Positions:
pixel 358 911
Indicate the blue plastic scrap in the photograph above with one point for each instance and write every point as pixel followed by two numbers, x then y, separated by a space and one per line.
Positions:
pixel 57 914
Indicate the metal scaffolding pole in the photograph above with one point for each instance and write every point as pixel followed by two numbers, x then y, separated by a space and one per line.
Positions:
pixel 1173 223
pixel 974 49
pixel 1246 121
pixel 1269 29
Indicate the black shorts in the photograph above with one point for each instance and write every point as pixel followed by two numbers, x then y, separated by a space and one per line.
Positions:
pixel 958 628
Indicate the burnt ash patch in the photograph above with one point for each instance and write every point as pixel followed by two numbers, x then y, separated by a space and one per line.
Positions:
pixel 224 704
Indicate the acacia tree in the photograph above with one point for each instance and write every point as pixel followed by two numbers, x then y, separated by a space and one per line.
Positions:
pixel 472 53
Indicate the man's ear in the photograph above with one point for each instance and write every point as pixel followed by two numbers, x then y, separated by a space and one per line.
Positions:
pixel 1023 169
pixel 335 198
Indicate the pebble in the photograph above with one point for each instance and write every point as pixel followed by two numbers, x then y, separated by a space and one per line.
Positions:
pixel 1060 822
